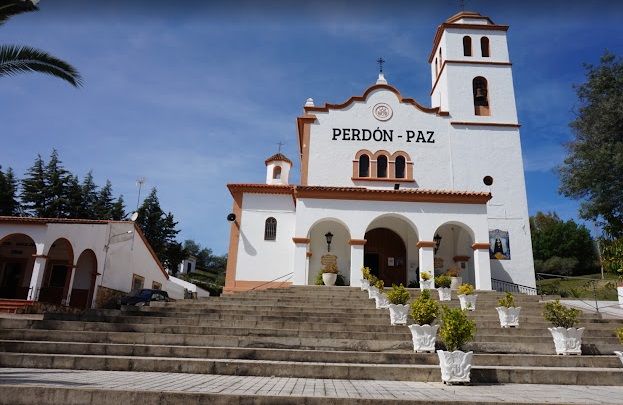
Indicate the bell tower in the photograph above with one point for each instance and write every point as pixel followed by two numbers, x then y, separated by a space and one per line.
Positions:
pixel 278 169
pixel 471 70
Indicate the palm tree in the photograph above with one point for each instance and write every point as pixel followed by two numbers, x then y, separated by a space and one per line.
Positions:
pixel 20 59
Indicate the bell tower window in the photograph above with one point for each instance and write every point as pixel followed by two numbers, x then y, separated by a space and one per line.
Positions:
pixel 277 173
pixel 484 47
pixel 481 96
pixel 467 45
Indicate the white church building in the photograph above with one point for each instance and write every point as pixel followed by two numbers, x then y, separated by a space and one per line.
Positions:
pixel 388 183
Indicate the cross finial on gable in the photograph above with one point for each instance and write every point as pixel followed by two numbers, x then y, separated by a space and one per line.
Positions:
pixel 380 61
pixel 280 144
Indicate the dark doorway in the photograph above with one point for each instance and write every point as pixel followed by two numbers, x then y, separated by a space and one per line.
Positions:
pixel 386 255
pixel 11 278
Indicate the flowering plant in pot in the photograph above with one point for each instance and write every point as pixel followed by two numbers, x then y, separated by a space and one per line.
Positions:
pixel 508 312
pixel 567 338
pixel 365 278
pixel 620 336
pixel 329 274
pixel 442 282
pixel 426 281
pixel 454 273
pixel 456 330
pixel 372 290
pixel 380 298
pixel 398 297
pixel 467 298
pixel 424 311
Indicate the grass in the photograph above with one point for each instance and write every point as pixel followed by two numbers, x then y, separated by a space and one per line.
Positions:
pixel 581 287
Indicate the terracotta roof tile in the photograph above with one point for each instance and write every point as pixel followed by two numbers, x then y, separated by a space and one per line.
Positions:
pixel 278 157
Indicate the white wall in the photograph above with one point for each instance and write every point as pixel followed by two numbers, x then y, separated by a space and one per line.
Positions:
pixel 318 248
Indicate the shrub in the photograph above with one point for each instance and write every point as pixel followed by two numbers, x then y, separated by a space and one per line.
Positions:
pixel 507 301
pixel 620 335
pixel 366 272
pixel 424 310
pixel 398 295
pixel 443 281
pixel 559 315
pixel 466 289
pixel 425 276
pixel 339 281
pixel 456 328
pixel 379 284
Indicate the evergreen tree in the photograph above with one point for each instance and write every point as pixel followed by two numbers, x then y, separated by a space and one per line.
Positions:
pixel 118 209
pixel 56 181
pixel 8 194
pixel 74 198
pixel 89 197
pixel 34 196
pixel 104 203
pixel 174 256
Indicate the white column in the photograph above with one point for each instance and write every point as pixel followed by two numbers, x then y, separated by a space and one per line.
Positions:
pixel 482 266
pixel 356 261
pixel 300 261
pixel 36 279
pixel 427 257
pixel 72 274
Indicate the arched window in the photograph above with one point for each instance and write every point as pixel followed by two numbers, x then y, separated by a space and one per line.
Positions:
pixel 400 167
pixel 270 229
pixel 381 166
pixel 481 96
pixel 440 58
pixel 436 67
pixel 364 166
pixel 484 47
pixel 277 173
pixel 467 46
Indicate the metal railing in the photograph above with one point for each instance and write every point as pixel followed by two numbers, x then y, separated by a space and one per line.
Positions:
pixel 507 286
pixel 275 279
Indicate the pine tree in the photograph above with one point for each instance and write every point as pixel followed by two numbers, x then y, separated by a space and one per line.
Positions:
pixel 33 196
pixel 118 209
pixel 8 193
pixel 89 197
pixel 104 203
pixel 74 198
pixel 56 180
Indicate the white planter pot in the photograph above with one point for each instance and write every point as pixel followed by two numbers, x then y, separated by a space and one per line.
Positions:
pixel 372 291
pixel 445 294
pixel 365 284
pixel 508 316
pixel 567 341
pixel 398 314
pixel 427 284
pixel 381 301
pixel 424 337
pixel 620 294
pixel 619 355
pixel 455 366
pixel 456 282
pixel 329 278
pixel 468 301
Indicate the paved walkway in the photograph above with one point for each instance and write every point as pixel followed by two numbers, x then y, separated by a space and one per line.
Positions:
pixel 293 387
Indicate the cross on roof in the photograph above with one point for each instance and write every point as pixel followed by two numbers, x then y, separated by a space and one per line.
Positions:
pixel 380 61
pixel 280 144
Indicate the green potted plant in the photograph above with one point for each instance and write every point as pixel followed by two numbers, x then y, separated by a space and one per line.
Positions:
pixel 467 298
pixel 567 338
pixel 398 297
pixel 426 280
pixel 507 311
pixel 454 273
pixel 379 297
pixel 620 336
pixel 329 274
pixel 366 273
pixel 456 330
pixel 424 311
pixel 442 282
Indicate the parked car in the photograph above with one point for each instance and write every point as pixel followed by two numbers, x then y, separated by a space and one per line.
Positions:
pixel 144 297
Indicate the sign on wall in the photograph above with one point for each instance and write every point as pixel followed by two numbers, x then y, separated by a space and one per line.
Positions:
pixel 499 248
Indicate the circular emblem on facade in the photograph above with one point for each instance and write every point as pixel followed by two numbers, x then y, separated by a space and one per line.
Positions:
pixel 382 112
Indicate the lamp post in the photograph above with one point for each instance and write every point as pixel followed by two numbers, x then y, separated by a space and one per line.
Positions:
pixel 437 240
pixel 329 237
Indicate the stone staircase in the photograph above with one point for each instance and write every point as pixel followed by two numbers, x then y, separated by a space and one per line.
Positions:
pixel 12 305
pixel 306 332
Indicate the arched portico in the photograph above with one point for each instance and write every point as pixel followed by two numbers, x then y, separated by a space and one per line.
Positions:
pixel 58 272
pixel 318 247
pixel 82 285
pixel 17 256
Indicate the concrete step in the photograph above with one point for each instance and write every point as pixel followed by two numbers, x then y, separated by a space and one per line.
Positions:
pixel 357 371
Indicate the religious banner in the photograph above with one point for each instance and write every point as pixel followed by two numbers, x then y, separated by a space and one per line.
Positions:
pixel 499 248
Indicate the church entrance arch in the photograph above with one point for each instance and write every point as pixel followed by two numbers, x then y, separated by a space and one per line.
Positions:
pixel 17 253
pixel 386 255
pixel 455 251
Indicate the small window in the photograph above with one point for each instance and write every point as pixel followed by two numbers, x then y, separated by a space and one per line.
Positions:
pixel 364 166
pixel 481 96
pixel 400 167
pixel 189 267
pixel 484 47
pixel 277 173
pixel 488 180
pixel 440 59
pixel 137 282
pixel 270 229
pixel 156 285
pixel 436 67
pixel 381 166
pixel 467 46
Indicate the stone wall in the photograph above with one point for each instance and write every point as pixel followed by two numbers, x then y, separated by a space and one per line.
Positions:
pixel 107 297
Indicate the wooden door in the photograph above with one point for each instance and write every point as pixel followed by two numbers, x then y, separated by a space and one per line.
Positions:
pixel 392 255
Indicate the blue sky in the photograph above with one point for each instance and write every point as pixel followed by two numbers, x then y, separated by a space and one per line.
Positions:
pixel 197 95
